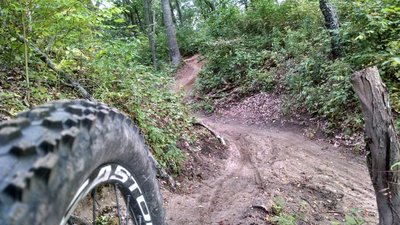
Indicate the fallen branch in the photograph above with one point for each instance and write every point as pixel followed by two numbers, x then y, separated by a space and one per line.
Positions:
pixel 226 89
pixel 309 203
pixel 336 212
pixel 221 139
pixel 260 207
pixel 231 96
pixel 85 94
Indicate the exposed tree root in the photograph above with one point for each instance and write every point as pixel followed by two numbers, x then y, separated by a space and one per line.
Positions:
pixel 219 137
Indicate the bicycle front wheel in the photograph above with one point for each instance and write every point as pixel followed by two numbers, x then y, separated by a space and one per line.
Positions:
pixel 52 156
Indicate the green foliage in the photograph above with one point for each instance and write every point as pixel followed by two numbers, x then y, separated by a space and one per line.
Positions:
pixel 236 63
pixel 284 219
pixel 102 220
pixel 125 84
pixel 54 26
pixel 250 47
pixel 351 219
pixel 279 217
pixel 287 44
pixel 260 80
pixel 190 40
pixel 226 23
pixel 371 37
pixel 278 206
pixel 372 33
pixel 12 102
pixel 92 46
pixel 266 15
pixel 324 90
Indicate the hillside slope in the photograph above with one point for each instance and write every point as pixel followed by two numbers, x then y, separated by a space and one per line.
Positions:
pixel 270 173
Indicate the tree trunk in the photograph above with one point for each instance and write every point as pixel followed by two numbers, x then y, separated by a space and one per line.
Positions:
pixel 138 19
pixel 210 5
pixel 332 24
pixel 172 12
pixel 150 26
pixel 178 8
pixel 174 53
pixel 382 145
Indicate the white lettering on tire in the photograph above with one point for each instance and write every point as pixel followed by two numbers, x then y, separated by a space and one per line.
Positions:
pixel 140 200
pixel 120 174
pixel 107 173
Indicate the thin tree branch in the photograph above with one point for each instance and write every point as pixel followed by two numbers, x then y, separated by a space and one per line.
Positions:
pixel 85 94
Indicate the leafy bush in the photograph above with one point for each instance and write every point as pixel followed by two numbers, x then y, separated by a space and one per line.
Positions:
pixel 82 42
pixel 287 43
pixel 12 101
pixel 371 37
pixel 266 15
pixel 324 90
pixel 225 23
pixel 233 63
pixel 190 40
pixel 144 95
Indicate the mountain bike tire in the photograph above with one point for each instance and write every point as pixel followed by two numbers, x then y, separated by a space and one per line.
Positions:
pixel 55 154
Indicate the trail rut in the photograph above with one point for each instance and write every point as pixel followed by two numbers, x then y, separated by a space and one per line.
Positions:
pixel 266 167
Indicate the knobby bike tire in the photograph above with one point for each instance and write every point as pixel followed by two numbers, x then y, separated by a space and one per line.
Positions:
pixel 54 154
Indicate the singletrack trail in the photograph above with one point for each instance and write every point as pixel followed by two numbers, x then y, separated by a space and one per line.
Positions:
pixel 266 167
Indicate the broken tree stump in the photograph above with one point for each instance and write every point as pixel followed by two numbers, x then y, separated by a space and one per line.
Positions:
pixel 382 145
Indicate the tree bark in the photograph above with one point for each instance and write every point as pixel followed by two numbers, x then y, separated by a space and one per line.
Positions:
pixel 173 48
pixel 85 94
pixel 178 8
pixel 382 145
pixel 172 13
pixel 138 19
pixel 150 30
pixel 210 5
pixel 332 24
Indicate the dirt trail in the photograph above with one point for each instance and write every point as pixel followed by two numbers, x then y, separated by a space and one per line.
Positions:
pixel 186 75
pixel 266 167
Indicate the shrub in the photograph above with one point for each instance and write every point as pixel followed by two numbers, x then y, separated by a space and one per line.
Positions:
pixel 144 95
pixel 234 63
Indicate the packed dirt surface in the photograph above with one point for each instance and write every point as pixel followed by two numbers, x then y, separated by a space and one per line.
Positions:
pixel 186 75
pixel 267 175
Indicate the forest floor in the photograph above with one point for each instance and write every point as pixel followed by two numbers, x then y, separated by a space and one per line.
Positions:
pixel 267 171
